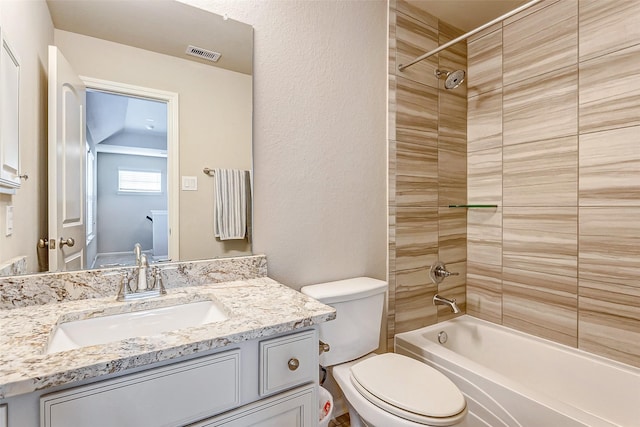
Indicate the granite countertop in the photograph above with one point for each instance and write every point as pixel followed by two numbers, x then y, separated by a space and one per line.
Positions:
pixel 255 308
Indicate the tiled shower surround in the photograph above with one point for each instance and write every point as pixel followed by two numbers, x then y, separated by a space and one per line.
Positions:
pixel 427 155
pixel 553 139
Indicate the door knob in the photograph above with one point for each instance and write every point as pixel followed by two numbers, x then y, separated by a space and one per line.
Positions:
pixel 69 242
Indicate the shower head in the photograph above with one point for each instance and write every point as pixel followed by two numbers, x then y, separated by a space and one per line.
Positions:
pixel 453 79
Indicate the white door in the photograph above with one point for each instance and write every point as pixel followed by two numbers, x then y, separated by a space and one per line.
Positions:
pixel 67 158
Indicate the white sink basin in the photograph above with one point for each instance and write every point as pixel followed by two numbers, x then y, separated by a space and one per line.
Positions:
pixel 116 327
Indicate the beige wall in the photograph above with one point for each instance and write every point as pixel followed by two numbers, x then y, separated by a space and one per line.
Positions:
pixel 215 123
pixel 427 170
pixel 30 201
pixel 554 137
pixel 319 136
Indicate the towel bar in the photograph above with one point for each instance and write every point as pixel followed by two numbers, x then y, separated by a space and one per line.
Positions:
pixel 208 171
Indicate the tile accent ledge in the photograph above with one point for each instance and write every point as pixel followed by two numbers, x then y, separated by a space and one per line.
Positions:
pixel 39 289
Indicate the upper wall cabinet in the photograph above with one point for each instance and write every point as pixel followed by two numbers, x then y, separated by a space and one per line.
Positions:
pixel 9 118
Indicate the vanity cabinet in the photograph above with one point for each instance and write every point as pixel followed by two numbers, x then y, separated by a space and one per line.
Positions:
pixel 267 383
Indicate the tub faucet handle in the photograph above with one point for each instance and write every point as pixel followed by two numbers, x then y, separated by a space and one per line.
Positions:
pixel 439 272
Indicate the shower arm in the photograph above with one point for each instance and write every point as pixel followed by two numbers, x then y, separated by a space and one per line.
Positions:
pixel 402 67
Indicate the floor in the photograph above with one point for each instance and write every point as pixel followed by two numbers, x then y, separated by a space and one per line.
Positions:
pixel 341 421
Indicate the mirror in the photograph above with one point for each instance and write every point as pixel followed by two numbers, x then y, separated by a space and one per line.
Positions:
pixel 141 45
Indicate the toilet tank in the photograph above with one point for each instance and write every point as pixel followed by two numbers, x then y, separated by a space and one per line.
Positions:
pixel 359 304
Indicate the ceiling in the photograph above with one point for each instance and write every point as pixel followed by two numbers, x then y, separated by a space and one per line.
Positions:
pixel 467 14
pixel 127 121
pixel 163 26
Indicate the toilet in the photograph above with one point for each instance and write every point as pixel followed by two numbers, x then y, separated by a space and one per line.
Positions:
pixel 382 390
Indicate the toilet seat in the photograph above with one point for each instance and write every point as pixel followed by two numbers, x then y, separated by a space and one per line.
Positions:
pixel 409 389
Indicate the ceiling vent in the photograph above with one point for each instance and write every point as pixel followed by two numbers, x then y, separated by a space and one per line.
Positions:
pixel 201 53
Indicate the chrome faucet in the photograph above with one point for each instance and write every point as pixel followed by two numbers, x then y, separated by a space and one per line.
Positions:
pixel 143 288
pixel 438 300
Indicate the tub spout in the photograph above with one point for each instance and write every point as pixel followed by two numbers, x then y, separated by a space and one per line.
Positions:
pixel 438 300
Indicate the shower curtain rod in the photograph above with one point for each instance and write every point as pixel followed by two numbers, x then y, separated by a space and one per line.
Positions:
pixel 402 67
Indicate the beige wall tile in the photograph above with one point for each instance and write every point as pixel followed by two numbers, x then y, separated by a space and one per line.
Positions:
pixel 452 58
pixel 610 244
pixel 484 63
pixel 416 191
pixel 528 11
pixel 452 177
pixel 410 9
pixel 414 38
pixel 416 136
pixel 452 232
pixel 391 116
pixel 427 159
pixel 541 173
pixel 485 32
pixel 484 121
pixel 484 183
pixel 541 42
pixel 610 90
pixel 392 40
pixel 484 291
pixel 542 107
pixel 417 159
pixel 609 320
pixel 541 239
pixel 484 236
pixel 606 26
pixel 392 170
pixel 416 237
pixel 452 132
pixel 610 168
pixel 414 300
pixel 453 102
pixel 541 304
pixel 417 108
pixel 416 174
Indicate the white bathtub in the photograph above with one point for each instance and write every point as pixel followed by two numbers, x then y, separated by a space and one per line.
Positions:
pixel 513 379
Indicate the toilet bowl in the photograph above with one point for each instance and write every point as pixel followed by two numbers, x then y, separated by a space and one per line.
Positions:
pixel 385 390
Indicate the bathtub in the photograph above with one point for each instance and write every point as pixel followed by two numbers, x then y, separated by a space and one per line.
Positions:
pixel 512 379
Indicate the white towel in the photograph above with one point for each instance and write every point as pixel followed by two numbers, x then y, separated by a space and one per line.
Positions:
pixel 230 209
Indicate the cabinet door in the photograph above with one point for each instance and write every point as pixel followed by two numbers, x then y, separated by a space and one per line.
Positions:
pixel 170 396
pixel 3 416
pixel 297 408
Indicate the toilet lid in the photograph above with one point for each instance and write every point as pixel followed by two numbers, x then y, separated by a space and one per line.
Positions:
pixel 408 388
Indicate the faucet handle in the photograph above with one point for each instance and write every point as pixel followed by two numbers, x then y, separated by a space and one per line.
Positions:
pixel 439 272
pixel 158 283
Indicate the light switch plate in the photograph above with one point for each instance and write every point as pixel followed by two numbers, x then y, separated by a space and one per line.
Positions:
pixel 189 183
pixel 9 218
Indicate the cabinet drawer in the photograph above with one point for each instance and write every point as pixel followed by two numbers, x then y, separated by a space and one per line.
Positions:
pixel 295 408
pixel 169 396
pixel 288 361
